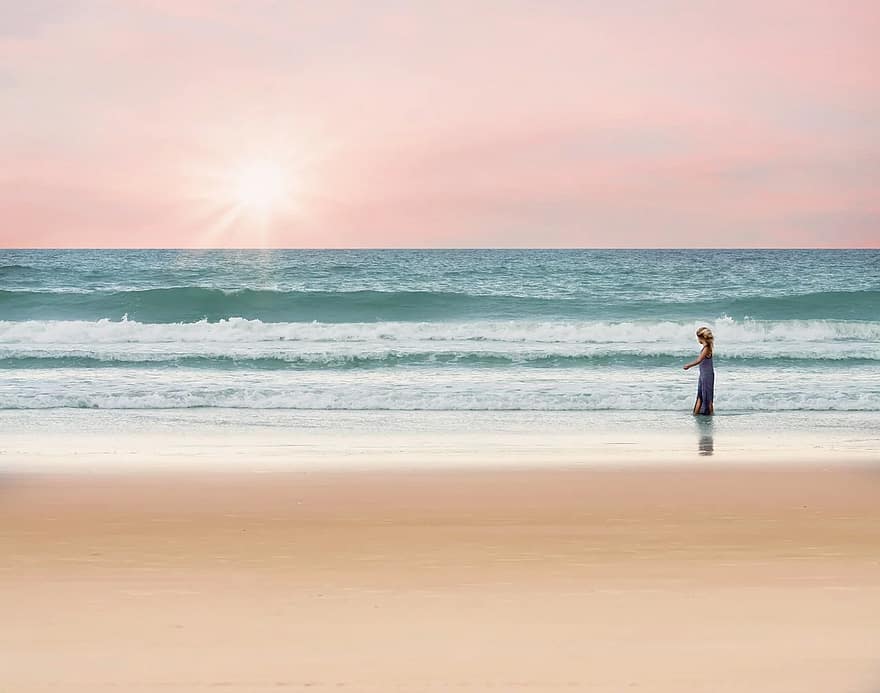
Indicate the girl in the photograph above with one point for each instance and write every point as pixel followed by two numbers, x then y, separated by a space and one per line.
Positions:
pixel 706 383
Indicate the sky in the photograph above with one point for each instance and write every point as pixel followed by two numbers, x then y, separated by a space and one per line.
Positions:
pixel 479 123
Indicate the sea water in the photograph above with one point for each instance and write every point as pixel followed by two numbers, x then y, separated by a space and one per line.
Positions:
pixel 440 330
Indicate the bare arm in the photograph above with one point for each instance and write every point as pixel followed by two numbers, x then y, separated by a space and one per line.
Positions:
pixel 703 354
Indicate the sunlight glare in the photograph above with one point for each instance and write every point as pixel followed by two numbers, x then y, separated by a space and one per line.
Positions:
pixel 260 186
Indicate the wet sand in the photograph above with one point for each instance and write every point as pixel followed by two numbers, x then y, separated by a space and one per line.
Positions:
pixel 588 578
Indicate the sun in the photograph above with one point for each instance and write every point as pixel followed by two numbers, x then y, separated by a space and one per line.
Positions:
pixel 260 187
pixel 247 192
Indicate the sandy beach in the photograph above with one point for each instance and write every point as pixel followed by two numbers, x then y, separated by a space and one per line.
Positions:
pixel 648 578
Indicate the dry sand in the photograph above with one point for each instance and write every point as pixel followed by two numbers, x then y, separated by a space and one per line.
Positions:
pixel 665 578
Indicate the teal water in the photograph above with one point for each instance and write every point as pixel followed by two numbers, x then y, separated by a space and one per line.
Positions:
pixel 445 330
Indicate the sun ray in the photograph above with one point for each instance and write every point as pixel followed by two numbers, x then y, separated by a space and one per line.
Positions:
pixel 249 189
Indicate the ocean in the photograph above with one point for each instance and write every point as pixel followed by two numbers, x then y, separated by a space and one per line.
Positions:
pixel 444 330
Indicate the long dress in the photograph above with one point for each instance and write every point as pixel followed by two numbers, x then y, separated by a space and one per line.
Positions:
pixel 706 385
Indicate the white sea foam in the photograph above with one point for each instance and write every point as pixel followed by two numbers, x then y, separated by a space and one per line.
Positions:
pixel 240 338
pixel 464 365
pixel 437 389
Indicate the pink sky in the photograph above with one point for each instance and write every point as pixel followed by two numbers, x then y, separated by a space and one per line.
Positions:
pixel 557 123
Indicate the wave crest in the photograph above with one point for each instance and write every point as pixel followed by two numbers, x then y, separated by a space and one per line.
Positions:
pixel 193 303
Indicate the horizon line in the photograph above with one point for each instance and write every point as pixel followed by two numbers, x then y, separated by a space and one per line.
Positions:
pixel 423 249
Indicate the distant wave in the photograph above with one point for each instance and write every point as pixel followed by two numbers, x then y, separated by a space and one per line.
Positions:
pixel 337 268
pixel 15 270
pixel 188 304
pixel 852 305
pixel 184 304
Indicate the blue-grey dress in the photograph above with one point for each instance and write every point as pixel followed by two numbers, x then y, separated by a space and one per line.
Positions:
pixel 706 385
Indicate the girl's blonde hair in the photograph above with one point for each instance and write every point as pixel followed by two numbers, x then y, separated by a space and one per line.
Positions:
pixel 706 334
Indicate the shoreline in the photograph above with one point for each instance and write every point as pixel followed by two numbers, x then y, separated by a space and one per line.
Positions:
pixel 53 441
